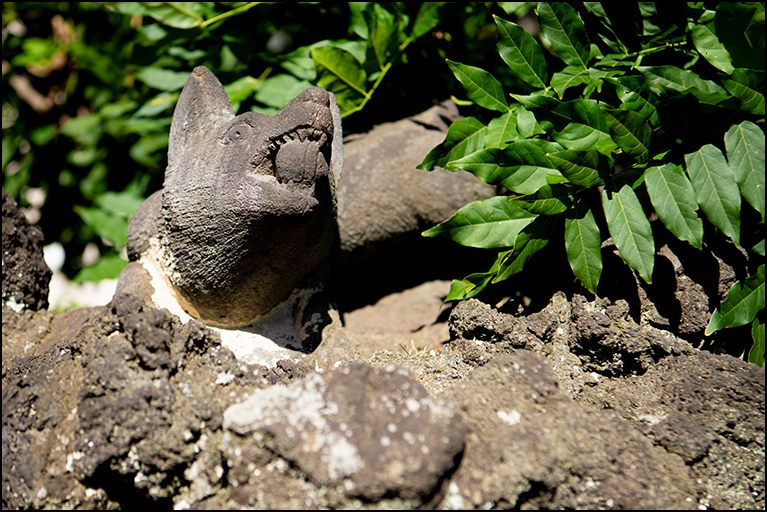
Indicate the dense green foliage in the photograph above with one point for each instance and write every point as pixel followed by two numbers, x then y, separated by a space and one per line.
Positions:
pixel 618 114
pixel 89 89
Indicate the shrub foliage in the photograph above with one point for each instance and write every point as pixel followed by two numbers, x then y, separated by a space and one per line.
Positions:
pixel 615 116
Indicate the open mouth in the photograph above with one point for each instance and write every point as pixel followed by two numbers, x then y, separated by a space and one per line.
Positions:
pixel 300 156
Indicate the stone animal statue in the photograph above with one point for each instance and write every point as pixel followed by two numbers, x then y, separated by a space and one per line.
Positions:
pixel 253 209
pixel 247 214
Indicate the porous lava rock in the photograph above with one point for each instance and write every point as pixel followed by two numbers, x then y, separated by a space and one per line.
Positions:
pixel 26 276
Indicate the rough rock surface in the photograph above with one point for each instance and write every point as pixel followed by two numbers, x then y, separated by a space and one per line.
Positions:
pixel 25 274
pixel 383 198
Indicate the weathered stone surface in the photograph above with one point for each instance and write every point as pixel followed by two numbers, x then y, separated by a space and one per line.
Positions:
pixel 247 214
pixel 707 409
pixel 25 274
pixel 383 198
pixel 372 433
pixel 532 446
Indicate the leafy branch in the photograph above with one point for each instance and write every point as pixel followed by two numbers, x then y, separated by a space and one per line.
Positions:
pixel 668 122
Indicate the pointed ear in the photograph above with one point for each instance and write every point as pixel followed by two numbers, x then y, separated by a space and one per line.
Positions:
pixel 202 108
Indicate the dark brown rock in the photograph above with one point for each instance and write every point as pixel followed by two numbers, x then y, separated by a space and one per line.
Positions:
pixel 25 274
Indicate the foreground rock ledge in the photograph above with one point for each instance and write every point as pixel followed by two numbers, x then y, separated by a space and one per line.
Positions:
pixel 134 408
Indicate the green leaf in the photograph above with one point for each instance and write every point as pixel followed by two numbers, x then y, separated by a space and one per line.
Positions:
pixel 756 354
pixel 502 131
pixel 426 19
pixel 745 154
pixel 709 46
pixel 673 198
pixel 740 27
pixel 631 131
pixel 473 284
pixel 383 34
pixel 277 91
pixel 106 224
pixel 584 168
pixel 465 136
pixel 120 203
pixel 175 14
pixel 548 200
pixel 571 76
pixel 341 73
pixel 158 104
pixel 108 267
pixel 529 242
pixel 163 79
pixel 583 244
pixel 660 78
pixel 522 167
pixel 578 124
pixel 491 223
pixel 480 86
pixel 716 189
pixel 630 229
pixel 747 85
pixel 635 102
pixel 562 26
pixel 521 53
pixel 744 300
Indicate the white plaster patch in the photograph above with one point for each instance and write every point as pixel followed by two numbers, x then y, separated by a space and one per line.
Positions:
pixel 512 418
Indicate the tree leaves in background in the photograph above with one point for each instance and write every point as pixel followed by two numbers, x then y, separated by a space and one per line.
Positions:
pixel 674 201
pixel 747 85
pixel 340 72
pixel 745 153
pixel 519 50
pixel 562 26
pixel 630 229
pixel 716 189
pixel 740 27
pixel 163 79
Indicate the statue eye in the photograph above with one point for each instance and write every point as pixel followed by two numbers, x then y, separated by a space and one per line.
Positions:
pixel 237 132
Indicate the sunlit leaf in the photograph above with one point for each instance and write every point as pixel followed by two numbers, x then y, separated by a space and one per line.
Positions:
pixel 490 223
pixel 716 189
pixel 744 300
pixel 583 244
pixel 630 229
pixel 480 86
pixel 465 136
pixel 584 168
pixel 521 52
pixel 673 198
pixel 502 131
pixel 745 154
pixel 562 26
